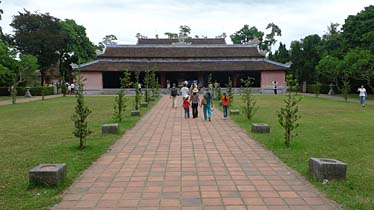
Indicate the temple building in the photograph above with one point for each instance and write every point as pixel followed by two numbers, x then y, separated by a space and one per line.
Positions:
pixel 184 60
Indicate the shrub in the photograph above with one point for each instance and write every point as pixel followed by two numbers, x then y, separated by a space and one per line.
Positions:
pixel 249 106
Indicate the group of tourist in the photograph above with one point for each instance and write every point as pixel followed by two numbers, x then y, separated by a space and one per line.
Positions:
pixel 191 99
pixel 70 88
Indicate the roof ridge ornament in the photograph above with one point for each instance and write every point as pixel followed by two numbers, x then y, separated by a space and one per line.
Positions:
pixel 253 42
pixel 181 40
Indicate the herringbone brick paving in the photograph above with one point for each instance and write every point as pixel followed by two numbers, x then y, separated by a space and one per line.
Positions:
pixel 167 162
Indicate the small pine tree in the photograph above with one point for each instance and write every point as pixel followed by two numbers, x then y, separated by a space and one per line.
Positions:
pixel 289 113
pixel 120 99
pixel 64 90
pixel 153 83
pixel 147 84
pixel 346 88
pixel 81 114
pixel 157 87
pixel 249 106
pixel 317 89
pixel 229 90
pixel 219 93
pixel 137 91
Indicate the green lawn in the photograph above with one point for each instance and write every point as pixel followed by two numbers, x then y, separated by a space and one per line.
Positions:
pixel 329 129
pixel 8 98
pixel 41 132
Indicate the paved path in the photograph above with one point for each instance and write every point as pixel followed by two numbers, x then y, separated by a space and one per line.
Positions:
pixel 24 100
pixel 339 98
pixel 167 162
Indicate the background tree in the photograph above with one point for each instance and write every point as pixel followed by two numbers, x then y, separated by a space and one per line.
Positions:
pixel 76 44
pixel 7 64
pixel 27 66
pixel 39 35
pixel 328 69
pixel 120 99
pixel 289 113
pixel 171 35
pixel 147 84
pixel 249 100
pixel 281 55
pixel 358 30
pixel 81 114
pixel 107 40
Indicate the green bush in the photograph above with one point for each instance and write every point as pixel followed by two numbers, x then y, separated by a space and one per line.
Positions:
pixel 35 91
pixel 324 89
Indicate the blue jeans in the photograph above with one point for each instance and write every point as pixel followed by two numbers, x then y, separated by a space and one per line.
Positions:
pixel 207 111
pixel 362 100
pixel 187 113
pixel 225 111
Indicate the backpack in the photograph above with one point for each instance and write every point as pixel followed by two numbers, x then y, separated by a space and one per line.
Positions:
pixel 173 92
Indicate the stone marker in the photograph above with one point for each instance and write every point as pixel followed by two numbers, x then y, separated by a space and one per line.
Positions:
pixel 109 128
pixel 48 174
pixel 234 112
pixel 260 128
pixel 28 94
pixel 135 112
pixel 143 104
pixel 324 168
pixel 151 99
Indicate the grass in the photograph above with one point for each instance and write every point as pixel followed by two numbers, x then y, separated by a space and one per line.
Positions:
pixel 330 129
pixel 41 132
pixel 8 98
pixel 353 95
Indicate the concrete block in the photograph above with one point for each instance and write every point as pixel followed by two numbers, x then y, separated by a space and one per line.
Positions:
pixel 324 168
pixel 143 104
pixel 48 174
pixel 135 113
pixel 260 128
pixel 234 112
pixel 109 128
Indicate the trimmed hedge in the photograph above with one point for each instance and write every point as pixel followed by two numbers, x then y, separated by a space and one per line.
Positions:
pixel 21 91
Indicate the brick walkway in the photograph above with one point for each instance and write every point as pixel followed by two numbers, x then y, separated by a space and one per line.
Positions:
pixel 167 162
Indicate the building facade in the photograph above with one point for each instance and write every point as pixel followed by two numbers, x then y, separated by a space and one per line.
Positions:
pixel 187 60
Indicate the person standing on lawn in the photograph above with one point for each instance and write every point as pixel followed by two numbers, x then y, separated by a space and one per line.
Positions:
pixel 194 99
pixel 225 100
pixel 362 95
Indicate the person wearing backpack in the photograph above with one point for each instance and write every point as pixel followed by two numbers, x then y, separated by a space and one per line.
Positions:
pixel 173 95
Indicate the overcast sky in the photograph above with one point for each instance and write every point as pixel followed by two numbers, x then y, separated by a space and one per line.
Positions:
pixel 125 18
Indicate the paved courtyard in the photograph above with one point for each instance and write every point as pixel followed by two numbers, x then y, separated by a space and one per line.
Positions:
pixel 168 162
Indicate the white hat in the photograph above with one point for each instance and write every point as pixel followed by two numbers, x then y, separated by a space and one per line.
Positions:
pixel 195 90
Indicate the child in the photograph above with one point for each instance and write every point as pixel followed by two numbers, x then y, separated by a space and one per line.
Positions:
pixel 186 106
pixel 225 103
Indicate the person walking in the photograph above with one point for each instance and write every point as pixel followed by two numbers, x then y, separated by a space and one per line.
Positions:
pixel 362 95
pixel 194 99
pixel 69 88
pixel 206 103
pixel 72 86
pixel 173 95
pixel 186 106
pixel 275 87
pixel 225 100
pixel 184 91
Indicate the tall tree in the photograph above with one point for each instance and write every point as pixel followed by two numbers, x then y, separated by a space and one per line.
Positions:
pixel 7 64
pixel 331 43
pixel 246 34
pixel 108 40
pixel 358 30
pixel 39 35
pixel 281 55
pixel 77 47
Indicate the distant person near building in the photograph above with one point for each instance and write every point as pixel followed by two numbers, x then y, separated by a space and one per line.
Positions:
pixel 275 87
pixel 362 95
pixel 225 103
pixel 173 95
pixel 72 86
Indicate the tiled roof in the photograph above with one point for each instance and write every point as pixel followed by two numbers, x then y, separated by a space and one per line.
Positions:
pixel 192 41
pixel 181 51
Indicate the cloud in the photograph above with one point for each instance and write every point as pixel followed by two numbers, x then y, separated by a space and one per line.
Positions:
pixel 209 17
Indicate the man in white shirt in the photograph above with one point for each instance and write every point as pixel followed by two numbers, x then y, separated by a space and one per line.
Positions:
pixel 362 95
pixel 184 91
